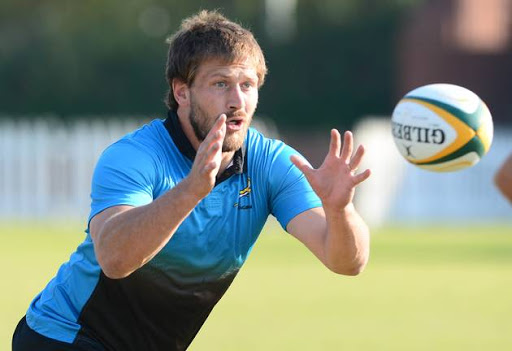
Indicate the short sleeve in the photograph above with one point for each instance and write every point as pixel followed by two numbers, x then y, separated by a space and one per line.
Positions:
pixel 124 175
pixel 291 193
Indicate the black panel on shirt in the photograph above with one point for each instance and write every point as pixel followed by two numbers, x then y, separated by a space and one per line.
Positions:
pixel 148 311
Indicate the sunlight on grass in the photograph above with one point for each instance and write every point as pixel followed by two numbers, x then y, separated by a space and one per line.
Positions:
pixel 443 288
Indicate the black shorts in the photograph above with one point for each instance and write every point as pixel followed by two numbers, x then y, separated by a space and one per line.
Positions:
pixel 26 339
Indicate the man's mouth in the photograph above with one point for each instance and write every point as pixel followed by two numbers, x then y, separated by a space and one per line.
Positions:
pixel 234 124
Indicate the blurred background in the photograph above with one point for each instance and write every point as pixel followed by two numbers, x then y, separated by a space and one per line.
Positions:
pixel 77 75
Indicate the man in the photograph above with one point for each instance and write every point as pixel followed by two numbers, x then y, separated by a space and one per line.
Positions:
pixel 503 178
pixel 178 204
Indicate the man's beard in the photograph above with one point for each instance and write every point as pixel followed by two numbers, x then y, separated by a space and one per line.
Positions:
pixel 202 123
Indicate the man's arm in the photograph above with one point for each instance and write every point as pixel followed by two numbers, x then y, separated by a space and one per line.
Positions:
pixel 335 233
pixel 127 237
pixel 503 178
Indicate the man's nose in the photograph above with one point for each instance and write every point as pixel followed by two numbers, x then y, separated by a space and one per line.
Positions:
pixel 236 98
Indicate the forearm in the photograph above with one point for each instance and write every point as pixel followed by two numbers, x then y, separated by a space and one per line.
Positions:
pixel 131 238
pixel 346 242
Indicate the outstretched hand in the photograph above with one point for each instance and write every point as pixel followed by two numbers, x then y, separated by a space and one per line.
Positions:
pixel 335 180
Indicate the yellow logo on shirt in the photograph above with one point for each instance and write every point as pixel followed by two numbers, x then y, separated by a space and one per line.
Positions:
pixel 247 190
pixel 244 204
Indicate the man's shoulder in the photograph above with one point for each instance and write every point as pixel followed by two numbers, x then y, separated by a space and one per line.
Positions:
pixel 258 141
pixel 266 154
pixel 147 136
pixel 138 146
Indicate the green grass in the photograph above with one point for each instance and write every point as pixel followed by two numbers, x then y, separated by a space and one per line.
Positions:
pixel 435 288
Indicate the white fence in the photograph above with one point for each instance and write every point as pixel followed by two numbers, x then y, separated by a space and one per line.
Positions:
pixel 46 169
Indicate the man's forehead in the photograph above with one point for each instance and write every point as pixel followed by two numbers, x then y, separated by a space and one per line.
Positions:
pixel 212 67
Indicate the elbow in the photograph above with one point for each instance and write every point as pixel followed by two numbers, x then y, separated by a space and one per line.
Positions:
pixel 110 258
pixel 348 271
pixel 113 273
pixel 352 268
pixel 113 267
pixel 353 271
pixel 351 263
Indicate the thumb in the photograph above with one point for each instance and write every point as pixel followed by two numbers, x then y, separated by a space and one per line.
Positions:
pixel 302 164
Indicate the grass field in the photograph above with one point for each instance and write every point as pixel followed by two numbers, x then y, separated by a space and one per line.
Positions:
pixel 435 288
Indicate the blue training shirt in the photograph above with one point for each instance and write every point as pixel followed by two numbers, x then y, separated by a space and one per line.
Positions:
pixel 163 304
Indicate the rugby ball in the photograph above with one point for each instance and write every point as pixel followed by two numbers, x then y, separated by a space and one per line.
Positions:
pixel 442 127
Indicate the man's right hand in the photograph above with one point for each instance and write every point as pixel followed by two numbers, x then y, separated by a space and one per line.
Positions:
pixel 208 160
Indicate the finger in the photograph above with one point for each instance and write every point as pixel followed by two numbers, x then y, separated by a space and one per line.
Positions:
pixel 211 166
pixel 357 158
pixel 219 125
pixel 335 144
pixel 216 133
pixel 348 145
pixel 361 177
pixel 221 120
pixel 213 152
pixel 205 148
pixel 301 163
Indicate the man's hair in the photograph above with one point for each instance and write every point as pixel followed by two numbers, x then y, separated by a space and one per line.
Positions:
pixel 209 35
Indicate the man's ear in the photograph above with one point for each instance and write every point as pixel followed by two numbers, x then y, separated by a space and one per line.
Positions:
pixel 181 92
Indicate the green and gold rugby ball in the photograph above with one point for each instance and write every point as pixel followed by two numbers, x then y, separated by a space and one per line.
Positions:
pixel 442 127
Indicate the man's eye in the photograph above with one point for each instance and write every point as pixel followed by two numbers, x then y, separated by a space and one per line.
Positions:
pixel 221 84
pixel 247 85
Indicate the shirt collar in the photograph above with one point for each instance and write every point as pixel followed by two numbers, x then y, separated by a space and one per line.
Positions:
pixel 173 126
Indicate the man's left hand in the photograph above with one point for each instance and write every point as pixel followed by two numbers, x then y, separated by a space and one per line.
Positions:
pixel 335 180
